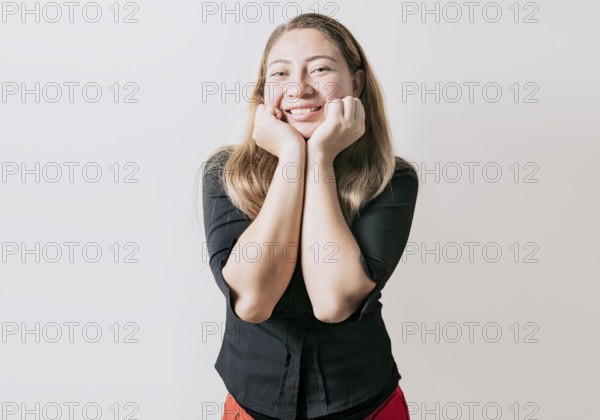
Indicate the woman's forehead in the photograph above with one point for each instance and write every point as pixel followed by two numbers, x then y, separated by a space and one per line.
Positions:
pixel 302 42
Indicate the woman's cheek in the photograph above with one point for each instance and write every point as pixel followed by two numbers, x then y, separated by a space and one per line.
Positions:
pixel 273 97
pixel 332 90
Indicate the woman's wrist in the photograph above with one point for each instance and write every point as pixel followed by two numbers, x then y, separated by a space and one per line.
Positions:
pixel 294 153
pixel 317 155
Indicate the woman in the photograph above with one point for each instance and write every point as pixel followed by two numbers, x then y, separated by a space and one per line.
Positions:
pixel 305 222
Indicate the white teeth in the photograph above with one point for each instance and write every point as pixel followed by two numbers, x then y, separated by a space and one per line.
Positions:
pixel 303 110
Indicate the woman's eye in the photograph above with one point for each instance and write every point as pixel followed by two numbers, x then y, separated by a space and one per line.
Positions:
pixel 281 73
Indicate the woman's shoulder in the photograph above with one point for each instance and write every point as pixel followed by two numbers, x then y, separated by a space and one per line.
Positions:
pixel 218 157
pixel 405 171
pixel 402 187
pixel 213 167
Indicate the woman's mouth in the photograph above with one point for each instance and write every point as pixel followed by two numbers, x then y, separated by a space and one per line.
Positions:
pixel 302 114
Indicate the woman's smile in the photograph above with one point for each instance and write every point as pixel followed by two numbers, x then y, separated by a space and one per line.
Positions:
pixel 303 113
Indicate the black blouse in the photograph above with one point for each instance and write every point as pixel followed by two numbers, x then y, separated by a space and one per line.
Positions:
pixel 293 366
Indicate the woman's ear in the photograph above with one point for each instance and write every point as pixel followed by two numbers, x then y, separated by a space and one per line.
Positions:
pixel 358 82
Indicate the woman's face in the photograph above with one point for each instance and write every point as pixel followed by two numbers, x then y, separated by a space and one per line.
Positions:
pixel 303 71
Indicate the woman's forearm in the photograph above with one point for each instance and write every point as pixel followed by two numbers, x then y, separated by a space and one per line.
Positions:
pixel 263 260
pixel 335 279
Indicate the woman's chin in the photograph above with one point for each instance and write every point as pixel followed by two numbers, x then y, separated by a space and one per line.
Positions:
pixel 305 130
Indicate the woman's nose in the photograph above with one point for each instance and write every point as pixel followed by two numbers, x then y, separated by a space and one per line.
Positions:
pixel 298 88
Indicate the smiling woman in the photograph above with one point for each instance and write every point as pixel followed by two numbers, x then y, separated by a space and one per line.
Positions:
pixel 303 83
pixel 315 344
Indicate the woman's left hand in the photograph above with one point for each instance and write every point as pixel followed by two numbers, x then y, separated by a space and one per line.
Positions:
pixel 344 124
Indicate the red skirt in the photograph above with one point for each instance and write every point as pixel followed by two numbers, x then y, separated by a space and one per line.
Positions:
pixel 394 408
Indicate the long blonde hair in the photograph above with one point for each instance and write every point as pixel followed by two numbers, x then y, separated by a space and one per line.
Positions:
pixel 362 170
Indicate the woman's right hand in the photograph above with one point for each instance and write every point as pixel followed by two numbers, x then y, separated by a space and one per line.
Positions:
pixel 275 136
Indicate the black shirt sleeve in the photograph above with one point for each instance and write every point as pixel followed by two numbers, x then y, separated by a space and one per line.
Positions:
pixel 223 225
pixel 382 230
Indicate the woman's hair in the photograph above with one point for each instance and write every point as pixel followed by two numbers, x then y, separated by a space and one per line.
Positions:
pixel 362 170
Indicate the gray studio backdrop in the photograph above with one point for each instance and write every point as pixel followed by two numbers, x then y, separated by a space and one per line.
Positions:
pixel 108 308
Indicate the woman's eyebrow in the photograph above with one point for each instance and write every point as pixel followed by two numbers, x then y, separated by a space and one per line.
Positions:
pixel 313 58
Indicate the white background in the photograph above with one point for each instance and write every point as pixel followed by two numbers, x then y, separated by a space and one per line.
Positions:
pixel 170 296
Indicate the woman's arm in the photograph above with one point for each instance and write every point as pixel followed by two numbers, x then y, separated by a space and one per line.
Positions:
pixel 258 279
pixel 333 273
